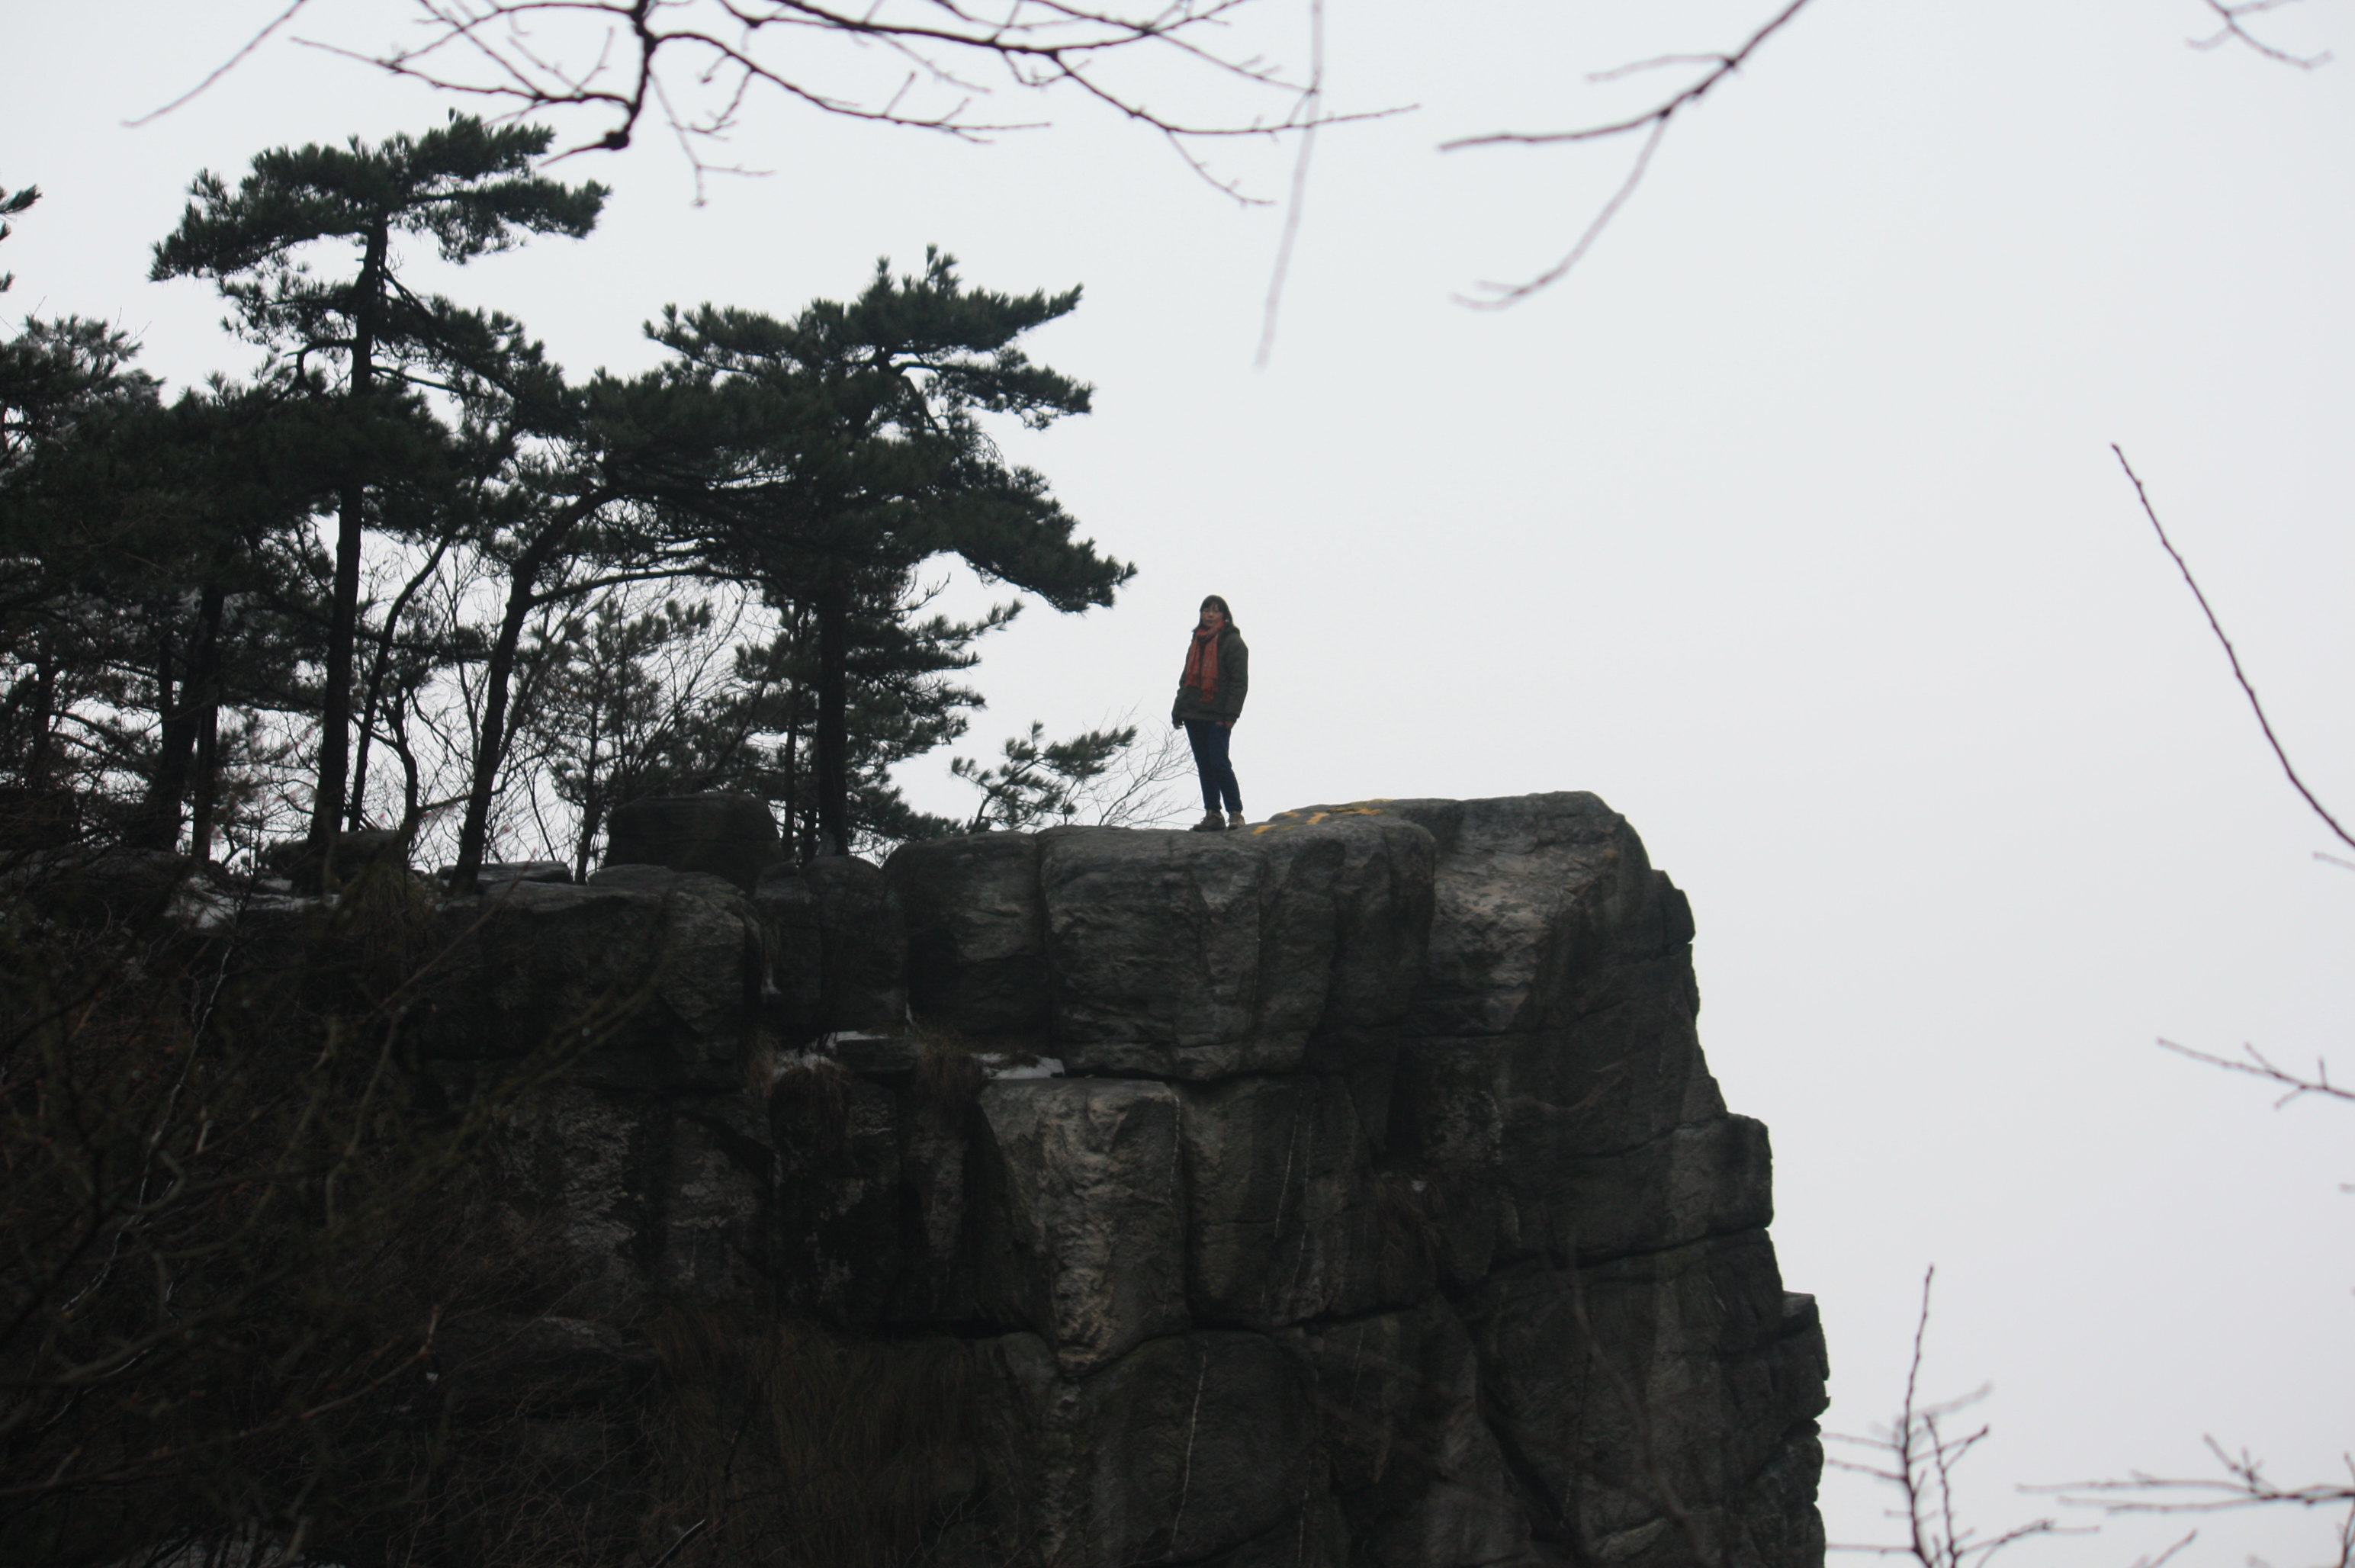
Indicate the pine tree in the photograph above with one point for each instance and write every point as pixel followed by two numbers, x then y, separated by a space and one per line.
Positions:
pixel 160 571
pixel 13 202
pixel 1040 780
pixel 663 694
pixel 465 186
pixel 65 387
pixel 901 699
pixel 881 462
pixel 621 488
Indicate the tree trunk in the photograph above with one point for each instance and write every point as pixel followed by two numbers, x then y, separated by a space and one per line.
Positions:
pixel 491 750
pixel 175 712
pixel 343 619
pixel 44 717
pixel 834 722
pixel 181 716
pixel 593 777
pixel 207 790
pixel 498 676
pixel 592 817
pixel 373 698
pixel 798 814
pixel 412 800
pixel 201 695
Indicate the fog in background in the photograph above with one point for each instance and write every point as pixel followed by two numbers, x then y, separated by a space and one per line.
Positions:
pixel 1788 524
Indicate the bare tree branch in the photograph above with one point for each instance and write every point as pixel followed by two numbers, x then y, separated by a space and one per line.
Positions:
pixel 1914 1455
pixel 1653 121
pixel 1133 792
pixel 1311 102
pixel 2258 1066
pixel 1499 295
pixel 226 66
pixel 2163 1558
pixel 2244 1484
pixel 2230 13
pixel 2256 707
pixel 693 64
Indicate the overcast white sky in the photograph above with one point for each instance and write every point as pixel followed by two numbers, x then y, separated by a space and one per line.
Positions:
pixel 1788 524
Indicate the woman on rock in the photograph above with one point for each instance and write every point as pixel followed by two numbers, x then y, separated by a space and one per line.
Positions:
pixel 1210 701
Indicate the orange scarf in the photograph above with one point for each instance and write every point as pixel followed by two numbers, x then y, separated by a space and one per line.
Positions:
pixel 1203 661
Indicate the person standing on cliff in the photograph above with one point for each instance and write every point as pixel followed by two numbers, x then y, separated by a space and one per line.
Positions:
pixel 1210 701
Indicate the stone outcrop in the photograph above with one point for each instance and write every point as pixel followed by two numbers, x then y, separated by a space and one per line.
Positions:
pixel 728 836
pixel 1351 1190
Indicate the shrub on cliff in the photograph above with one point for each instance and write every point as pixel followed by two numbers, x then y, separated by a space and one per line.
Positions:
pixel 238 1225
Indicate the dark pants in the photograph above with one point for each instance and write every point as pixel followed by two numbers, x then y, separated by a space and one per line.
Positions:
pixel 1209 742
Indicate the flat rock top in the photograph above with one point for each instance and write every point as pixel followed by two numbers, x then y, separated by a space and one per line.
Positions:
pixel 1518 876
pixel 640 879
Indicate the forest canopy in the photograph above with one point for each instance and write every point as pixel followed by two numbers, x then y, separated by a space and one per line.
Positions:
pixel 409 574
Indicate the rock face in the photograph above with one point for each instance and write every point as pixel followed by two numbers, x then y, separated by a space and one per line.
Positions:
pixel 645 1156
pixel 1351 1190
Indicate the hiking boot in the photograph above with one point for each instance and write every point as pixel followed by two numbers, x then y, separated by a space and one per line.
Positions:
pixel 1212 823
pixel 1234 820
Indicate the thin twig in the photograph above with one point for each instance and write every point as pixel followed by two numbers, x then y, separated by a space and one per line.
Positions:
pixel 727 49
pixel 1499 295
pixel 2231 14
pixel 1312 102
pixel 2256 707
pixel 2258 1066
pixel 2243 1485
pixel 1657 119
pixel 690 1533
pixel 226 66
pixel 1921 1466
pixel 2160 1561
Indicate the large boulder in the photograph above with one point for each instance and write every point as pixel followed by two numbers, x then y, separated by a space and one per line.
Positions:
pixel 642 1197
pixel 634 1139
pixel 1586 1187
pixel 977 929
pixel 635 986
pixel 499 873
pixel 1383 892
pixel 1286 1218
pixel 1530 890
pixel 1661 1406
pixel 115 886
pixel 841 944
pixel 1084 1213
pixel 1417 1472
pixel 837 1138
pixel 642 878
pixel 1190 956
pixel 1549 1083
pixel 730 836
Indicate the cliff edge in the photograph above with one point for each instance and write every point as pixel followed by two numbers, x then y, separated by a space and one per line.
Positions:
pixel 1348 1190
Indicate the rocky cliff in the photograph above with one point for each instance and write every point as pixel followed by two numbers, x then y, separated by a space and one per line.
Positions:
pixel 1351 1190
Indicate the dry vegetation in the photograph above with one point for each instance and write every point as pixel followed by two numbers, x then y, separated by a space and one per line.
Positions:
pixel 260 1302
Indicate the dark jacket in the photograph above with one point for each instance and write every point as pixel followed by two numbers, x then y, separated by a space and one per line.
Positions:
pixel 1234 682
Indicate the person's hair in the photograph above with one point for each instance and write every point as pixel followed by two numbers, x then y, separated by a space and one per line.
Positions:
pixel 1213 601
